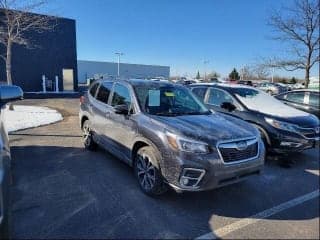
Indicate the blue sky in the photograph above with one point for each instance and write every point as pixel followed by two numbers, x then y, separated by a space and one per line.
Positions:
pixel 178 33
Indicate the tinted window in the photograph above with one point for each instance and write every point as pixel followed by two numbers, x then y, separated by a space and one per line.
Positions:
pixel 314 99
pixel 217 97
pixel 200 92
pixel 121 95
pixel 93 89
pixel 297 97
pixel 104 92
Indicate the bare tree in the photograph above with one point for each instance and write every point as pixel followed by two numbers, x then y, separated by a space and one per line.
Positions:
pixel 15 24
pixel 298 26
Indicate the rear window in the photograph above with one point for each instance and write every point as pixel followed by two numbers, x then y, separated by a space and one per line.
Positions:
pixel 104 92
pixel 93 89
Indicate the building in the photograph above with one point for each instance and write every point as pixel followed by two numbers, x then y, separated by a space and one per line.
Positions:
pixel 55 54
pixel 93 69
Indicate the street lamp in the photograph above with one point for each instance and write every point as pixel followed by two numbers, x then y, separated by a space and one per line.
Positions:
pixel 119 54
pixel 205 62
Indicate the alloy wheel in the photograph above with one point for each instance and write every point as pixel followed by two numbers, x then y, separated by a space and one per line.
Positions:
pixel 87 135
pixel 146 172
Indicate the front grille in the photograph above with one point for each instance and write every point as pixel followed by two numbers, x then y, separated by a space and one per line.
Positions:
pixel 308 132
pixel 232 154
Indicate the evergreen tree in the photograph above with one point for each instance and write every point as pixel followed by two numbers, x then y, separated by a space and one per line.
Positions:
pixel 293 80
pixel 234 75
pixel 198 75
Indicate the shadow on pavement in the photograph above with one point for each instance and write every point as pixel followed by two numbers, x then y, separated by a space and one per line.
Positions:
pixel 64 192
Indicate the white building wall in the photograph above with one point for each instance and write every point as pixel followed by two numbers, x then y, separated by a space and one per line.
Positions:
pixel 90 69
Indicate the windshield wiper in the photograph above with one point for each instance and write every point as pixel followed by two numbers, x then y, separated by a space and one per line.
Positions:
pixel 167 114
pixel 198 113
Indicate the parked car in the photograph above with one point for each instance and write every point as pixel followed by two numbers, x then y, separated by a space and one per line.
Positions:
pixel 185 82
pixel 245 82
pixel 271 88
pixel 7 93
pixel 169 136
pixel 306 100
pixel 284 87
pixel 284 129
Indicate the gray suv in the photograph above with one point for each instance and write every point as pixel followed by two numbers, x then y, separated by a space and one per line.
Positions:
pixel 168 136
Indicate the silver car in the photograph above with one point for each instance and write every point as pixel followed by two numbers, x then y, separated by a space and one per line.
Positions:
pixel 7 93
pixel 168 136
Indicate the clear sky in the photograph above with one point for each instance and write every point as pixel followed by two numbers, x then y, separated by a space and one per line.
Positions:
pixel 177 33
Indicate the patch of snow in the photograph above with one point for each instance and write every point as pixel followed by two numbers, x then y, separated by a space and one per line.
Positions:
pixel 23 117
pixel 264 103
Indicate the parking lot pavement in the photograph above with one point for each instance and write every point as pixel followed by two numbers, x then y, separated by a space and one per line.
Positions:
pixel 62 191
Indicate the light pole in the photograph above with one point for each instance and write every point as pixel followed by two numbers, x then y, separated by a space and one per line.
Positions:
pixel 205 62
pixel 119 54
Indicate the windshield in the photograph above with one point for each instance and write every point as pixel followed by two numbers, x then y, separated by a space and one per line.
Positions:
pixel 168 101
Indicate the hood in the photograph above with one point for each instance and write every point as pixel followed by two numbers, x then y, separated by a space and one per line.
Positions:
pixel 307 121
pixel 208 128
pixel 269 105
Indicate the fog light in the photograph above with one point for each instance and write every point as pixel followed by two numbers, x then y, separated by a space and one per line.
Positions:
pixel 191 177
pixel 185 181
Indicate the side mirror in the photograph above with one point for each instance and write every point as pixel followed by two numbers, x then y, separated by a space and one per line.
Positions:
pixel 121 109
pixel 10 93
pixel 228 106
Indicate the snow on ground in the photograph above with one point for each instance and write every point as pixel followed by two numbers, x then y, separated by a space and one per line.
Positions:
pixel 23 117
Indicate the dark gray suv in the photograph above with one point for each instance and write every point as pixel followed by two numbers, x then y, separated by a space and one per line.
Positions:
pixel 169 136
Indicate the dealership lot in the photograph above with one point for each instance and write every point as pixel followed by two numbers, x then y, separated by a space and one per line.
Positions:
pixel 62 191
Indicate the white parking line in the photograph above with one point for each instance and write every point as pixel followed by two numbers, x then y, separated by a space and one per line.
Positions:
pixel 223 231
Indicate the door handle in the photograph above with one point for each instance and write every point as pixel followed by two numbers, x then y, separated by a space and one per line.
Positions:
pixel 108 114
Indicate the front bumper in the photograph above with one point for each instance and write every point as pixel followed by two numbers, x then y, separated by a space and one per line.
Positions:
pixel 288 143
pixel 206 172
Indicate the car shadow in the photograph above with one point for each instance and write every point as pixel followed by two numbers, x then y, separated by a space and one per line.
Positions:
pixel 63 192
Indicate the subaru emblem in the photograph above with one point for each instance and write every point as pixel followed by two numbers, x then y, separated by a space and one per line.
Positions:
pixel 242 145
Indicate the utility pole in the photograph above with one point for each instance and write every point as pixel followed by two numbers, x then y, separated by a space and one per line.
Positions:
pixel 119 54
pixel 205 62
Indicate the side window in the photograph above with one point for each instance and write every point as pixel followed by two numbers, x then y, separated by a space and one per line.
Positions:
pixel 200 92
pixel 314 99
pixel 104 92
pixel 121 95
pixel 297 97
pixel 217 97
pixel 93 89
pixel 282 96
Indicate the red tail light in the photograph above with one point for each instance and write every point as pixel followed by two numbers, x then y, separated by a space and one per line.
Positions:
pixel 81 99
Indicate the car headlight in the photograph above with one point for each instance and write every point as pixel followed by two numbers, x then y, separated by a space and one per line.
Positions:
pixel 281 125
pixel 187 145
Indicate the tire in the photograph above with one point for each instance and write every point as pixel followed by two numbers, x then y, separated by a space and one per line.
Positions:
pixel 148 173
pixel 88 141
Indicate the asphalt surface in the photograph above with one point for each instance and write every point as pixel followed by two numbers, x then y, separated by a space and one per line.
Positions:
pixel 61 190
